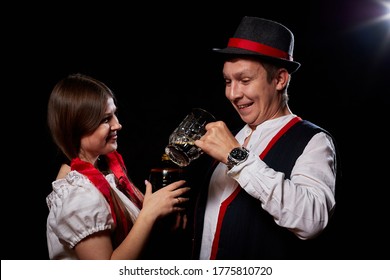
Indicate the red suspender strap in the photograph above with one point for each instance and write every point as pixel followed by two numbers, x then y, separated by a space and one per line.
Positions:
pixel 279 134
pixel 227 201
pixel 222 211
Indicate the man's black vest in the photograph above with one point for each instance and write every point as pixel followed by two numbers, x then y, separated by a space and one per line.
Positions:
pixel 248 231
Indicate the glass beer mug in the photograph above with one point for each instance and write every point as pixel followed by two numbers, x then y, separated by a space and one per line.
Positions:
pixel 181 148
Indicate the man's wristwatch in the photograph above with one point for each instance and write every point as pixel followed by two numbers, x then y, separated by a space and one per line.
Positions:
pixel 237 156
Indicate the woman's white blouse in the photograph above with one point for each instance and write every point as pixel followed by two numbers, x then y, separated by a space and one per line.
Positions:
pixel 76 210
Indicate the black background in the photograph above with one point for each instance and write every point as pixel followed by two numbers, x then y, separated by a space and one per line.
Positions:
pixel 158 61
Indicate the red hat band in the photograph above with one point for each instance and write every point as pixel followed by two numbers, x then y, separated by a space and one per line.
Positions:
pixel 259 48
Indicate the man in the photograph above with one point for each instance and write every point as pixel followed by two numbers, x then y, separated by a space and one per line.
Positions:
pixel 273 184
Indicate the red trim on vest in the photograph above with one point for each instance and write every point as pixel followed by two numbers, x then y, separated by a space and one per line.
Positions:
pixel 258 47
pixel 222 211
pixel 227 201
pixel 279 134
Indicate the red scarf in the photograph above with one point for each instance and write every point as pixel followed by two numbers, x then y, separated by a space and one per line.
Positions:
pixel 117 166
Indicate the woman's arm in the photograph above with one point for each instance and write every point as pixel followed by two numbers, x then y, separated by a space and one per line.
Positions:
pixel 158 204
pixel 64 169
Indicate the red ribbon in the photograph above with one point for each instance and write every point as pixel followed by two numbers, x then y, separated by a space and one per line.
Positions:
pixel 258 47
pixel 116 164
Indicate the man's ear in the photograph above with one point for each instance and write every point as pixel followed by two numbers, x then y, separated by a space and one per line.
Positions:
pixel 282 78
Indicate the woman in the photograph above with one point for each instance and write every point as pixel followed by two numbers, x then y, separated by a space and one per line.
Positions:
pixel 95 211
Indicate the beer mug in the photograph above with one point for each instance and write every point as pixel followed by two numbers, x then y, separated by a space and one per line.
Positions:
pixel 165 173
pixel 181 148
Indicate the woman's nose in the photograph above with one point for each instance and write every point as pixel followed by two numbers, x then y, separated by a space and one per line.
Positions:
pixel 116 125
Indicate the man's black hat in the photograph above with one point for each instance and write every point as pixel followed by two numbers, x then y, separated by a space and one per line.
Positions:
pixel 263 38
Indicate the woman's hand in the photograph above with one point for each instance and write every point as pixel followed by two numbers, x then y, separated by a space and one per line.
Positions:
pixel 180 221
pixel 164 201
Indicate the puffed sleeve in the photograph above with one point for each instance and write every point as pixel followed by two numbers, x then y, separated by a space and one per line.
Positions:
pixel 76 210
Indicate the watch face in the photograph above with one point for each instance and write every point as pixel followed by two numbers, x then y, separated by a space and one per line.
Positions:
pixel 239 154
